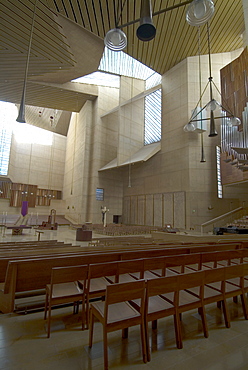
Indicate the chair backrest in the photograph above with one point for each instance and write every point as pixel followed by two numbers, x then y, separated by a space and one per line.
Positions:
pixel 69 274
pixel 234 271
pixel 218 256
pixel 98 270
pixel 155 263
pixel 131 266
pixel 183 260
pixel 191 280
pixel 245 270
pixel 215 247
pixel 121 292
pixel 161 285
pixel 150 253
pixel 214 275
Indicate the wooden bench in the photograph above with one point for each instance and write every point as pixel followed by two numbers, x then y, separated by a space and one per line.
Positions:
pixel 126 254
pixel 29 242
pixel 33 274
pixel 24 274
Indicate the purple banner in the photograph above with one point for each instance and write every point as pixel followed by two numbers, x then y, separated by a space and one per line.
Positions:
pixel 24 210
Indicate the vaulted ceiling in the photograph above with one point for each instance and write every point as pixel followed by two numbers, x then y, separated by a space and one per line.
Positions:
pixel 68 43
pixel 175 38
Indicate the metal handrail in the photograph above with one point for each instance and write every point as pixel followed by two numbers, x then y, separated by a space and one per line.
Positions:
pixel 223 217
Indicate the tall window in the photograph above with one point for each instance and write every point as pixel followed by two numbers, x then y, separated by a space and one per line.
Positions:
pixel 8 114
pixel 123 64
pixel 219 184
pixel 153 112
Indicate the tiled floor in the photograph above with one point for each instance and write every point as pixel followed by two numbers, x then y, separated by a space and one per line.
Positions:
pixel 24 345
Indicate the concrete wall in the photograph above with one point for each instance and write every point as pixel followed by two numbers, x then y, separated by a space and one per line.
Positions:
pixel 91 143
pixel 36 164
pixel 171 187
pixel 174 186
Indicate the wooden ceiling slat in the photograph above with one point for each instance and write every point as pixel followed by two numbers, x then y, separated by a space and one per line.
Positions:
pixel 97 8
pixel 218 29
pixel 223 34
pixel 42 37
pixel 78 13
pixel 188 42
pixel 159 22
pixel 167 32
pixel 174 25
pixel 89 13
pixel 68 9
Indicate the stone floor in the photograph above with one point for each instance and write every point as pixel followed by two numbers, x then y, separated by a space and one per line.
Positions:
pixel 24 345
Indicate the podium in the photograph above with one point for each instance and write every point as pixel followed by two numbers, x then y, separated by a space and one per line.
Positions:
pixel 83 235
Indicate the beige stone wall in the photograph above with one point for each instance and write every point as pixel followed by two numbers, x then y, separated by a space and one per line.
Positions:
pixel 37 164
pixel 92 142
pixel 131 118
pixel 173 186
pixel 41 165
pixel 175 177
pixel 77 163
pixel 155 209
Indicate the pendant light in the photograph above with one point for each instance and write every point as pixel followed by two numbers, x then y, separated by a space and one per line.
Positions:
pixel 199 12
pixel 21 115
pixel 146 30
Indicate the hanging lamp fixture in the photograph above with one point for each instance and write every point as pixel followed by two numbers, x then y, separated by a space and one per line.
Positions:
pixel 116 39
pixel 146 30
pixel 198 13
pixel 21 114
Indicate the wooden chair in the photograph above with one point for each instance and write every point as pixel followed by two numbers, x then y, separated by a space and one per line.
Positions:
pixel 116 313
pixel 235 284
pixel 188 284
pixel 130 270
pixel 157 307
pixel 64 289
pixel 190 293
pixel 214 290
pixel 97 281
pixel 185 263
pixel 154 267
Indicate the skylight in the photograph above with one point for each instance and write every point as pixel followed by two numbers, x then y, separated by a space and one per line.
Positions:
pixel 123 64
pixel 120 64
pixel 29 134
pixel 100 79
pixel 8 114
pixel 153 117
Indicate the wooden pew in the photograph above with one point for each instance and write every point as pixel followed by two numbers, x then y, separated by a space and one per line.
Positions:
pixel 34 273
pixel 127 254
pixel 27 242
